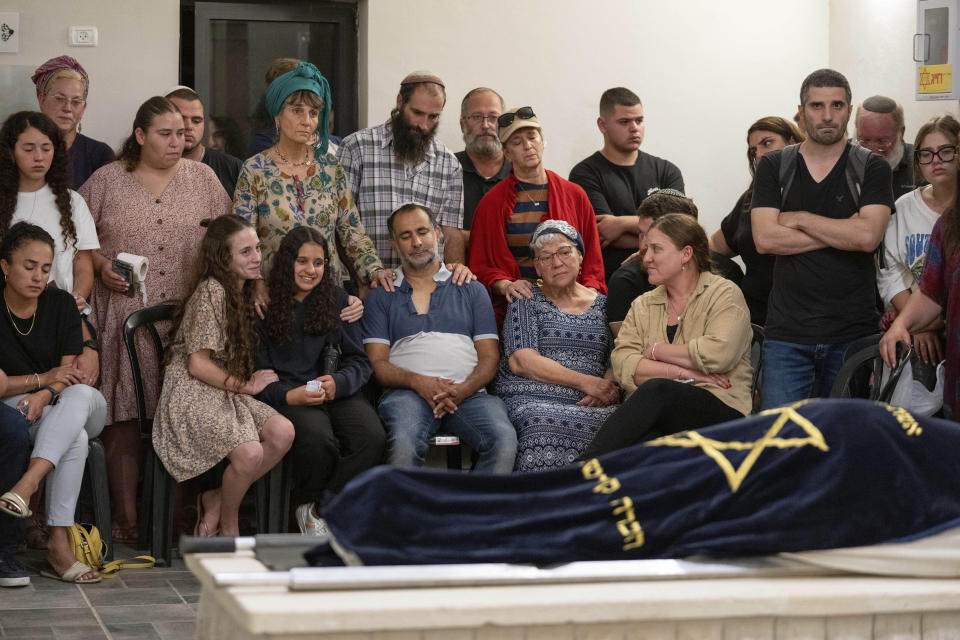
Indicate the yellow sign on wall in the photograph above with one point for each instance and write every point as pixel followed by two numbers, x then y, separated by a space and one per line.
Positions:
pixel 935 78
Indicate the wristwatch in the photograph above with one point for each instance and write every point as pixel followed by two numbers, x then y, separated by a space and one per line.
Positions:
pixel 55 395
pixel 92 344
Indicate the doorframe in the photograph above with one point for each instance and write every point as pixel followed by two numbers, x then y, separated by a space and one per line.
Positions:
pixel 344 79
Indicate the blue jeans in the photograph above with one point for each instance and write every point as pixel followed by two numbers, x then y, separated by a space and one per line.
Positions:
pixel 481 422
pixel 793 372
pixel 14 457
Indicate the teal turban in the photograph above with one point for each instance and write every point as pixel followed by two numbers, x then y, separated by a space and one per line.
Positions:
pixel 308 77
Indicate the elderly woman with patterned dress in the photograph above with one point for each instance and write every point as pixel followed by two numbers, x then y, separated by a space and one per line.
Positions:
pixel 150 202
pixel 298 182
pixel 683 351
pixel 62 88
pixel 554 374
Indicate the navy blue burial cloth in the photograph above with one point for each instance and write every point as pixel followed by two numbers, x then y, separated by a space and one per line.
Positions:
pixel 816 475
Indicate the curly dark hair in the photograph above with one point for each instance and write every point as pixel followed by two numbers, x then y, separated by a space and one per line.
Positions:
pixel 56 176
pixel 129 153
pixel 213 261
pixel 322 314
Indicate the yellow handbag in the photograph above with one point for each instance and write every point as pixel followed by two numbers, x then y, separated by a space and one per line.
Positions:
pixel 88 547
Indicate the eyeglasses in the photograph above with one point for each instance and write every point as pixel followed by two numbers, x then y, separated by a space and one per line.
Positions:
pixel 946 154
pixel 885 144
pixel 524 113
pixel 62 101
pixel 477 118
pixel 564 253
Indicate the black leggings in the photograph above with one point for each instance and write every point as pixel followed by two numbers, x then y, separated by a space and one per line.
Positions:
pixel 657 408
pixel 333 443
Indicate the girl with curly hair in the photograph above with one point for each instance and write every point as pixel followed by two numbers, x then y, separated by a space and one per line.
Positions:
pixel 33 188
pixel 206 410
pixel 338 433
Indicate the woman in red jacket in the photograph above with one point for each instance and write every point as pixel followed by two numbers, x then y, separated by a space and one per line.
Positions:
pixel 508 214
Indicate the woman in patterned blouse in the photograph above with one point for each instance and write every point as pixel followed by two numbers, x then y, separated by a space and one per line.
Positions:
pixel 298 182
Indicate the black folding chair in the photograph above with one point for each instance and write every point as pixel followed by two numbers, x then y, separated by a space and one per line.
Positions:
pixel 861 375
pixel 156 504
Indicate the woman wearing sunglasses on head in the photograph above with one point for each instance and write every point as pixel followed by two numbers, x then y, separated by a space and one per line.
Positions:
pixel 507 216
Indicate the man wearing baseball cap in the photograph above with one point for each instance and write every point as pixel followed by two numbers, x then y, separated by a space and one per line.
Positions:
pixel 509 213
pixel 401 161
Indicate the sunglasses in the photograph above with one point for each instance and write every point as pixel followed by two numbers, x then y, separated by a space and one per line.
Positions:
pixel 524 113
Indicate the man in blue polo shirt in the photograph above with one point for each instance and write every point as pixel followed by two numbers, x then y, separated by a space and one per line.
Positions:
pixel 433 345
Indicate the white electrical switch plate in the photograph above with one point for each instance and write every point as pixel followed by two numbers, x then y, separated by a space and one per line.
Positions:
pixel 83 36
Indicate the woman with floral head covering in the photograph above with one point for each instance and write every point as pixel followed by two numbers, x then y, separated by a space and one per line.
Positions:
pixel 62 87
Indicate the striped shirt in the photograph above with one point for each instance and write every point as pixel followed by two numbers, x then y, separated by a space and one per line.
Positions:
pixel 381 184
pixel 529 211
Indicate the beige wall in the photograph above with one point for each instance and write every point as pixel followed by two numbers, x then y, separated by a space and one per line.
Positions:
pixel 704 69
pixel 137 56
pixel 871 41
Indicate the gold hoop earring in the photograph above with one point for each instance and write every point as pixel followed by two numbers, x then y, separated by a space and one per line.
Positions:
pixel 539 282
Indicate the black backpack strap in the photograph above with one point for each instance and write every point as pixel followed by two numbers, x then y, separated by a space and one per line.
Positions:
pixel 788 169
pixel 856 168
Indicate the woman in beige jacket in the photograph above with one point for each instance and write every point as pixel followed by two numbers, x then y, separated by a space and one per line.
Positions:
pixel 683 352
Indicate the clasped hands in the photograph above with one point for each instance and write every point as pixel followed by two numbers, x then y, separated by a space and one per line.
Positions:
pixel 442 394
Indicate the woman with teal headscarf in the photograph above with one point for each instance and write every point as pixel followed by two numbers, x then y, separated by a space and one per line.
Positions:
pixel 299 182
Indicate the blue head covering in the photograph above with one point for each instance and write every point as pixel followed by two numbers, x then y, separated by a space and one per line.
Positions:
pixel 561 227
pixel 305 76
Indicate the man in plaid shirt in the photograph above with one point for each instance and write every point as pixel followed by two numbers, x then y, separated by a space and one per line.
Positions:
pixel 401 161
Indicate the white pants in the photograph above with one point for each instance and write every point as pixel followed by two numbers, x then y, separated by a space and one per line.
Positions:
pixel 61 436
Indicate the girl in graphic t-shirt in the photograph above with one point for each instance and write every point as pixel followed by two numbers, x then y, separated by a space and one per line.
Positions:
pixel 908 233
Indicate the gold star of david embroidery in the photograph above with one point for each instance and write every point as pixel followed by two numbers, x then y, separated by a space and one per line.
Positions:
pixel 714 448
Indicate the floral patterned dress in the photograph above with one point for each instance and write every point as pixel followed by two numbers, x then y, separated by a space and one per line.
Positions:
pixel 552 429
pixel 275 202
pixel 166 230
pixel 197 425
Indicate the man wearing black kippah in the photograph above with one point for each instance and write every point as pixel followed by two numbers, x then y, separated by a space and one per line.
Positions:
pixel 618 177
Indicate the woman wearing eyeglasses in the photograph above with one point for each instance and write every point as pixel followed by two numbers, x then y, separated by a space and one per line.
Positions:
pixel 507 216
pixel 554 375
pixel 62 86
pixel 908 233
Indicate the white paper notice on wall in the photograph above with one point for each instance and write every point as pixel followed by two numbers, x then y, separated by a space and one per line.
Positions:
pixel 9 32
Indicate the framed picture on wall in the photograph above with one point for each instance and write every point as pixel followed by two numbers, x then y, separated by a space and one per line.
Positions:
pixel 9 32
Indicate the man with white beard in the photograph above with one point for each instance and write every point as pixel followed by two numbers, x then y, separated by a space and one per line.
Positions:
pixel 482 158
pixel 879 127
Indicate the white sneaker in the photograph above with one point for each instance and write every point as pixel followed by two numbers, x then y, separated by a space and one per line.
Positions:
pixel 310 524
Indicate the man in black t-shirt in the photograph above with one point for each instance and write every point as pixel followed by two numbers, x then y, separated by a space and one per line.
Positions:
pixel 824 236
pixel 224 165
pixel 618 177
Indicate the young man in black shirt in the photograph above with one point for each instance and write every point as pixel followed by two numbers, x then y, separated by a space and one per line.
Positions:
pixel 618 177
pixel 824 236
pixel 224 165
